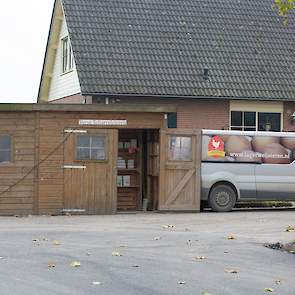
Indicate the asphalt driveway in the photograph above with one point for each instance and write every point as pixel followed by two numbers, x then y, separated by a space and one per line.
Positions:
pixel 161 254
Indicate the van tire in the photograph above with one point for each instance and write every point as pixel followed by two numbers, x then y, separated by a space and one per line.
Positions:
pixel 222 198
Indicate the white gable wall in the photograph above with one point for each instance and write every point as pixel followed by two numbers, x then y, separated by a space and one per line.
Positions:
pixel 67 84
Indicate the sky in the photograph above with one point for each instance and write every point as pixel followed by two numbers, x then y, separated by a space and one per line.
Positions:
pixel 24 27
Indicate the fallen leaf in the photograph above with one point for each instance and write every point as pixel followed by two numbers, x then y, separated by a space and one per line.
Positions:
pixel 200 257
pixel 231 237
pixel 290 228
pixel 75 264
pixel 157 238
pixel 51 264
pixel 56 243
pixel 96 283
pixel 182 282
pixel 231 271
pixel 278 282
pixel 268 289
pixel 116 254
pixel 168 226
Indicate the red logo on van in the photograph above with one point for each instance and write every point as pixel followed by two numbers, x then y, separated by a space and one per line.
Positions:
pixel 216 147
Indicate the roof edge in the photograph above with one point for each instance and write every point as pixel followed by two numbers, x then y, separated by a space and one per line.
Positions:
pixel 46 50
pixel 127 108
pixel 163 96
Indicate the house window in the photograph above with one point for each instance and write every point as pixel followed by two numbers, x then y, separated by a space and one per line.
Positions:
pixel 5 148
pixel 245 121
pixel 269 122
pixel 172 120
pixel 255 121
pixel 67 55
pixel 91 147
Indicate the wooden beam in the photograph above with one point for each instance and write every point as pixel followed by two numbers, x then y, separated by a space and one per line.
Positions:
pixel 122 108
pixel 36 171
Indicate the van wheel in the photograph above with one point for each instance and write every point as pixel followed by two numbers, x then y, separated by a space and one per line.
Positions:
pixel 222 198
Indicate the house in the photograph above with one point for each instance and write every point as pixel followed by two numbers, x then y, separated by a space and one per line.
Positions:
pixel 116 74
pixel 223 64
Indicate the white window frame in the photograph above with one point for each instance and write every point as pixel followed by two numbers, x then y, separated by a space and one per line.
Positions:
pixel 90 148
pixel 232 127
pixel 257 107
pixel 67 60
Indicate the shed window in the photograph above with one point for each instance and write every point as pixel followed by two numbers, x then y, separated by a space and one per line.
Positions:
pixel 67 55
pixel 5 148
pixel 91 147
pixel 180 148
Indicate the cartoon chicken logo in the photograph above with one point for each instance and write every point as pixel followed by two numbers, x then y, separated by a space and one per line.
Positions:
pixel 216 147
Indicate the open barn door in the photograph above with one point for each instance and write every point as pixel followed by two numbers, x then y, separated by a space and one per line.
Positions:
pixel 180 162
pixel 90 158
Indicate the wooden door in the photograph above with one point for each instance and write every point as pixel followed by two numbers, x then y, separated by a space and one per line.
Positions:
pixel 180 163
pixel 90 158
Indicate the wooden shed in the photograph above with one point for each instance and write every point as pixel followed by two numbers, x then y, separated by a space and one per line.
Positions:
pixel 95 159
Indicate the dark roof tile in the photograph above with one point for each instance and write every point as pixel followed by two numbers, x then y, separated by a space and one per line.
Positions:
pixel 160 47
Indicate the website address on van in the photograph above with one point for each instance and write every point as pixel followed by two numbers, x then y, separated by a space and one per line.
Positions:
pixel 255 155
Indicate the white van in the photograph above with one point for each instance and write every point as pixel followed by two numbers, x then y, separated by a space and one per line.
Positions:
pixel 246 166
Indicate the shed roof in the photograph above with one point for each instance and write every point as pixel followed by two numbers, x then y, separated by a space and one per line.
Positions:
pixel 161 47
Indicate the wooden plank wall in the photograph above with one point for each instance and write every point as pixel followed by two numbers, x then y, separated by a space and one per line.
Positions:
pixel 50 174
pixel 20 198
pixel 52 124
pixel 38 137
